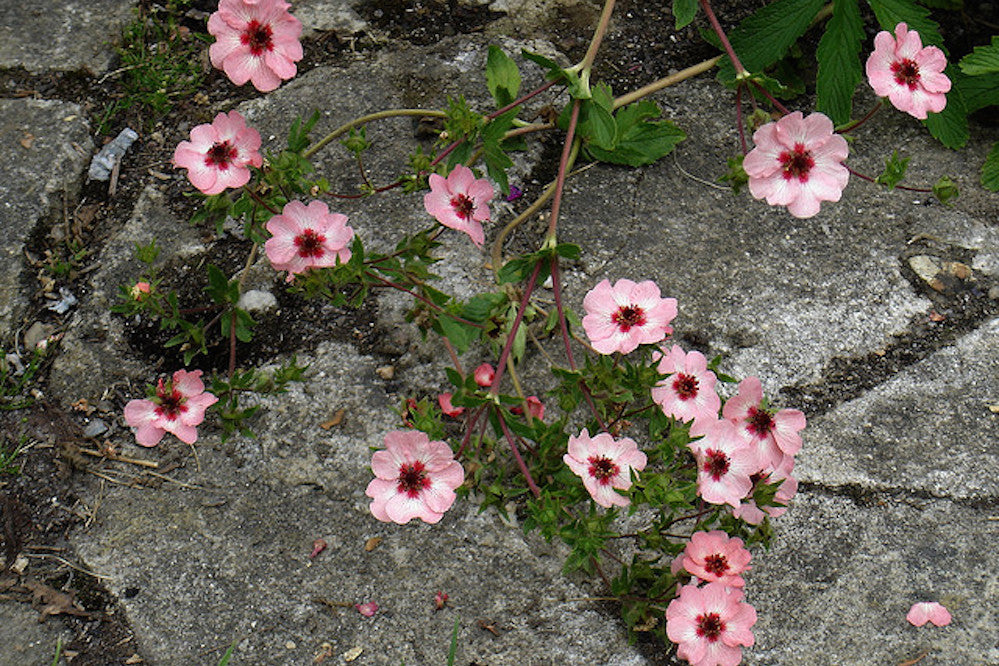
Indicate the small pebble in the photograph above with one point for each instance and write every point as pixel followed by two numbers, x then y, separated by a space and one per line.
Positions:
pixel 95 428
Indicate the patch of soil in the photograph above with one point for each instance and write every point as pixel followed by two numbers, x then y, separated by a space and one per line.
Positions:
pixel 424 22
pixel 297 324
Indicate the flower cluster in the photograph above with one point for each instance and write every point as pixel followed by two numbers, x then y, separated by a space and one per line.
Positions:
pixel 797 161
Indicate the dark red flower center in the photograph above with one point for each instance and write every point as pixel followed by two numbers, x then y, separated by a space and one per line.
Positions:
pixel 685 386
pixel 310 244
pixel 220 155
pixel 906 73
pixel 463 205
pixel 716 464
pixel 258 37
pixel 796 163
pixel 760 422
pixel 170 402
pixel 710 626
pixel 413 478
pixel 603 469
pixel 716 564
pixel 628 316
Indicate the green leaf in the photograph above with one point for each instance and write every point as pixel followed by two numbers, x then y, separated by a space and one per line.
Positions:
pixel 575 86
pixel 892 12
pixel 764 38
pixel 460 334
pixel 978 91
pixel 945 189
pixel 684 12
pixel 984 59
pixel 639 141
pixel 839 63
pixel 950 126
pixel 894 172
pixel 298 135
pixel 990 170
pixel 502 76
pixel 600 128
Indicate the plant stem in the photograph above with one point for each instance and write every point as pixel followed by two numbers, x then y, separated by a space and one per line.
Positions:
pixel 516 454
pixel 563 165
pixel 864 176
pixel 666 82
pixel 421 298
pixel 870 114
pixel 598 35
pixel 508 346
pixel 388 113
pixel 740 71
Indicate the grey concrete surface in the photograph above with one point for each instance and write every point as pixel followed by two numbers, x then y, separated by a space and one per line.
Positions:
pixel 25 640
pixel 76 35
pixel 899 502
pixel 44 151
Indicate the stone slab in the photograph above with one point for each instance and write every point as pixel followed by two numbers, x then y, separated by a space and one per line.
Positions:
pixel 843 572
pixel 25 640
pixel 44 150
pixel 928 429
pixel 69 36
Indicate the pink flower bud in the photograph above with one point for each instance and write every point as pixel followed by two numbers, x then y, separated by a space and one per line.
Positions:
pixel 484 375
pixel 440 600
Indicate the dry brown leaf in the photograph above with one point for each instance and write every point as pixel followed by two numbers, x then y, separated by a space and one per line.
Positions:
pixel 372 543
pixel 53 601
pixel 325 652
pixel 27 140
pixel 134 659
pixel 353 653
pixel 335 421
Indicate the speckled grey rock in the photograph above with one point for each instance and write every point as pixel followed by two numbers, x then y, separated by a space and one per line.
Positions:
pixel 24 639
pixel 73 35
pixel 44 150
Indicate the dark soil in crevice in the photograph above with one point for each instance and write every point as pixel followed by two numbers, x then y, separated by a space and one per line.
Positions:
pixel 425 22
pixel 960 308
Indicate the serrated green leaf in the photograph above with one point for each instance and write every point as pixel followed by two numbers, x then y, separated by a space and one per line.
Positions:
pixel 977 91
pixel 894 172
pixel 502 76
pixel 950 126
pixel 461 335
pixel 839 62
pixel 641 143
pixel 990 170
pixel 983 60
pixel 600 129
pixel 684 12
pixel 892 12
pixel 764 37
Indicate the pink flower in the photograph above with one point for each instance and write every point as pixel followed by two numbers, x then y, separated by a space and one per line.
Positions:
pixel 218 154
pixel 908 74
pixel 714 557
pixel 928 611
pixel 255 41
pixel 797 162
pixel 459 202
pixel 688 393
pixel 754 515
pixel 484 375
pixel 709 624
pixel 774 433
pixel 304 237
pixel 367 609
pixel 725 462
pixel 444 400
pixel 440 600
pixel 620 318
pixel 178 407
pixel 415 478
pixel 604 464
pixel 534 406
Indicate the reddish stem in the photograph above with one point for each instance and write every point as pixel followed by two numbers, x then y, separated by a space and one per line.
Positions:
pixel 508 346
pixel 739 69
pixel 853 126
pixel 516 454
pixel 864 176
